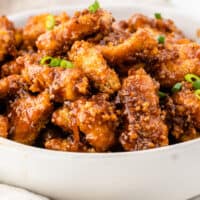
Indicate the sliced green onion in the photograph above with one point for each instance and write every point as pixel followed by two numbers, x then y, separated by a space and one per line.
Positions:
pixel 162 94
pixel 161 39
pixel 197 93
pixel 191 78
pixel 50 22
pixel 94 7
pixel 158 15
pixel 66 64
pixel 55 62
pixel 196 84
pixel 46 60
pixel 176 87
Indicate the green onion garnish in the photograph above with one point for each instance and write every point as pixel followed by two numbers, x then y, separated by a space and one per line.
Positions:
pixel 162 94
pixel 50 22
pixel 55 62
pixel 197 93
pixel 66 64
pixel 196 84
pixel 94 7
pixel 45 60
pixel 158 15
pixel 161 39
pixel 176 87
pixel 191 78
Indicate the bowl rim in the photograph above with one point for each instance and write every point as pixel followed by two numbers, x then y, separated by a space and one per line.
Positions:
pixel 26 149
pixel 12 145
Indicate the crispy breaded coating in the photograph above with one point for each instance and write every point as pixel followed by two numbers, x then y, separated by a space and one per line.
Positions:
pixel 38 77
pixel 12 67
pixel 3 126
pixel 81 25
pixel 85 56
pixel 157 27
pixel 115 37
pixel 36 25
pixel 61 118
pixel 16 66
pixel 10 86
pixel 63 84
pixel 27 116
pixel 7 38
pixel 186 60
pixel 144 127
pixel 61 18
pixel 66 144
pixel 61 144
pixel 52 139
pixel 95 118
pixel 141 42
pixel 138 41
pixel 183 110
pixel 162 25
pixel 69 84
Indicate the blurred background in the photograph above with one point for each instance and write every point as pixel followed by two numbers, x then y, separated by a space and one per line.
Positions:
pixel 9 7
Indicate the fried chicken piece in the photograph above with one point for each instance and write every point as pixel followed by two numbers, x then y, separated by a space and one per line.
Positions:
pixel 81 25
pixel 61 18
pixel 3 126
pixel 95 118
pixel 85 56
pixel 142 43
pixel 67 144
pixel 183 110
pixel 115 37
pixel 61 118
pixel 53 140
pixel 165 26
pixel 61 144
pixel 16 66
pixel 10 85
pixel 144 127
pixel 117 34
pixel 7 38
pixel 38 77
pixel 12 67
pixel 27 116
pixel 63 84
pixel 36 25
pixel 172 70
pixel 69 84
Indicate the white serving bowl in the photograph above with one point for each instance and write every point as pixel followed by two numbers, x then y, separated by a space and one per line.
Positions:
pixel 171 172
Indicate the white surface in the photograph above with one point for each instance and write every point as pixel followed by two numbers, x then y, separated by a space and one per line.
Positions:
pixel 164 173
